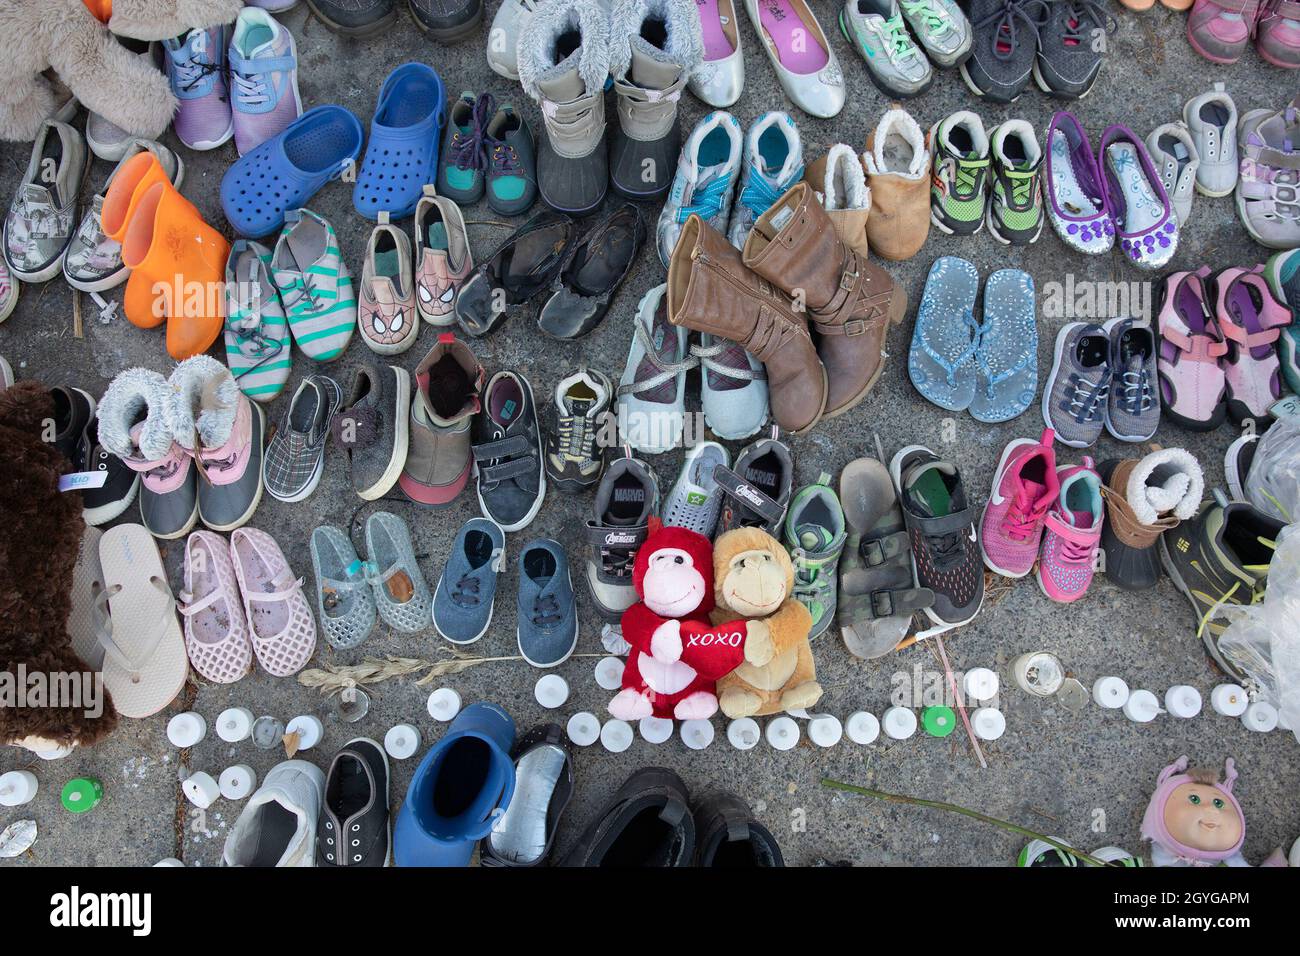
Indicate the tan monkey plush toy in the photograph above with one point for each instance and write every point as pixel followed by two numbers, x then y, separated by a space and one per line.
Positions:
pixel 754 579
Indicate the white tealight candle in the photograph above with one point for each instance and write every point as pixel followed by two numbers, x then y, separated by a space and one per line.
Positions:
pixel 584 728
pixel 1230 700
pixel 782 733
pixel 401 741
pixel 237 782
pixel 169 861
pixel 609 673
pixel 1260 716
pixel 697 734
pixel 1110 692
pixel 862 727
pixel 234 724
pixel 980 683
pixel 900 722
pixel 825 730
pixel 17 787
pixel 1183 700
pixel 988 723
pixel 308 728
pixel 655 730
pixel 551 691
pixel 616 736
pixel 743 733
pixel 1141 707
pixel 187 729
pixel 444 704
pixel 200 789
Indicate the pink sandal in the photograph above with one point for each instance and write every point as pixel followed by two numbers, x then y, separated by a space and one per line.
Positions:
pixel 282 625
pixel 216 631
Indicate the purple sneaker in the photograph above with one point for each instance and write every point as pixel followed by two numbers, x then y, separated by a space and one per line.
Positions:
pixel 263 79
pixel 196 67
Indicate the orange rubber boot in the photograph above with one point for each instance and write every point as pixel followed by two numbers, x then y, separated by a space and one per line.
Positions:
pixel 178 267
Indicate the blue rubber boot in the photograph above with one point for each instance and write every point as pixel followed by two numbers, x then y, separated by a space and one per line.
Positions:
pixel 461 786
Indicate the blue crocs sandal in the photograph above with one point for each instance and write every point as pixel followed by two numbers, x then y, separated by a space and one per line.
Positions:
pixel 403 152
pixel 1006 361
pixel 287 170
pixel 941 360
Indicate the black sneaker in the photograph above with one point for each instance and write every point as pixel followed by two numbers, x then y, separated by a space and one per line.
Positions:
pixel 756 492
pixel 1004 49
pixel 941 525
pixel 355 18
pixel 447 20
pixel 544 771
pixel 728 835
pixel 73 412
pixel 354 828
pixel 508 453
pixel 647 823
pixel 573 458
pixel 625 500
pixel 1069 56
pixel 107 485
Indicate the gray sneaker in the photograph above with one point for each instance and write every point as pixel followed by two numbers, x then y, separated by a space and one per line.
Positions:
pixel 1173 152
pixel 1077 388
pixel 295 458
pixel 696 499
pixel 895 64
pixel 373 428
pixel 814 535
pixel 626 498
pixel 942 28
pixel 547 628
pixel 39 226
pixel 1133 408
pixel 466 592
pixel 705 185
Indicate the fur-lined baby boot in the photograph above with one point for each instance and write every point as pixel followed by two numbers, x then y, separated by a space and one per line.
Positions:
pixel 655 46
pixel 898 166
pixel 1145 497
pixel 841 186
pixel 133 425
pixel 216 424
pixel 563 64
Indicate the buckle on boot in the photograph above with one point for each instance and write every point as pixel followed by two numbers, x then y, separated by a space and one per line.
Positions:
pixel 848 279
pixel 882 603
pixel 855 326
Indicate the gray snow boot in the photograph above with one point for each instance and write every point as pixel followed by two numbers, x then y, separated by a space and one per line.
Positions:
pixel 563 64
pixel 655 45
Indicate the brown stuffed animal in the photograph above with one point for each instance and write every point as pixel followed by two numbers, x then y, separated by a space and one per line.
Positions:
pixel 754 579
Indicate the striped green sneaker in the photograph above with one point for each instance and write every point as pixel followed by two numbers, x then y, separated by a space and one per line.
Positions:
pixel 814 535
pixel 257 335
pixel 315 285
pixel 959 186
pixel 1015 213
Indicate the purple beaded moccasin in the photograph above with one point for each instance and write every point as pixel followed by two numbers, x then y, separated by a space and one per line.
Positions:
pixel 1144 217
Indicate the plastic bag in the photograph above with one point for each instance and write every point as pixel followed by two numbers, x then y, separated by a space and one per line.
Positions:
pixel 1264 639
pixel 1273 482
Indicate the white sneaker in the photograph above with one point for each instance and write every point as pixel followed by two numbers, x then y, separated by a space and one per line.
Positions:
pixel 1173 153
pixel 277 827
pixel 773 163
pixel 705 184
pixel 696 499
pixel 1211 118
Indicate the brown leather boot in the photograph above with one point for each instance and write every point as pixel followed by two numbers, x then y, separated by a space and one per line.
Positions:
pixel 849 301
pixel 710 290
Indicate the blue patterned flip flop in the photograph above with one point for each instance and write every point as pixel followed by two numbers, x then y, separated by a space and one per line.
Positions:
pixel 946 335
pixel 1006 361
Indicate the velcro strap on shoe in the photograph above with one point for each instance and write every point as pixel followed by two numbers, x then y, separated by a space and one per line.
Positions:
pixel 504 471
pixel 877 551
pixel 900 602
pixel 735 487
pixel 247 67
pixel 606 538
pixel 947 524
pixel 511 447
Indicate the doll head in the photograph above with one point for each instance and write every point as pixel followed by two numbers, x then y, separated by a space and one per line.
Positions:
pixel 1195 816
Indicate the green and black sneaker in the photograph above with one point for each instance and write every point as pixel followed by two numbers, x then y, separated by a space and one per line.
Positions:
pixel 815 531
pixel 959 186
pixel 1016 207
pixel 1220 559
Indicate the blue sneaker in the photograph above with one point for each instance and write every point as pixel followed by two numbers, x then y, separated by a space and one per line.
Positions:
pixel 705 183
pixel 941 362
pixel 548 620
pixel 466 592
pixel 463 784
pixel 402 154
pixel 1006 360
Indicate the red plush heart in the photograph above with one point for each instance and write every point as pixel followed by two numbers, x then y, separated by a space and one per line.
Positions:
pixel 713 650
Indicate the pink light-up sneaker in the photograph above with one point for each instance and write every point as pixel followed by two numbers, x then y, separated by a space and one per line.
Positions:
pixel 1024 488
pixel 1071 534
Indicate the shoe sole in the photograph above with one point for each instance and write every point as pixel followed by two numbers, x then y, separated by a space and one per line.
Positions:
pixel 368 30
pixel 106 513
pixel 257 497
pixel 997 480
pixel 1110 425
pixel 1207 635
pixel 401 442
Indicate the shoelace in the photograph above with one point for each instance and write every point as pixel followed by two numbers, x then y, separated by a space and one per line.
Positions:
pixel 1134 392
pixel 193 71
pixel 576 437
pixel 935 16
pixel 1021 519
pixel 1024 185
pixel 898 39
pixel 617 562
pixel 1075 552
pixel 546 611
pixel 1260 572
pixel 470 151
pixel 706 202
pixel 1003 19
pixel 946 550
pixel 1080 13
pixel 1083 399
pixel 759 193
pixel 968 175
pixel 466 592
pixel 251 89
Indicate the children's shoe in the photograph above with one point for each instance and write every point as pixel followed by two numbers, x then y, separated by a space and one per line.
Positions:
pixel 593 268
pixel 815 532
pixel 1251 321
pixel 1144 217
pixel 386 305
pixel 1236 464
pixel 941 526
pixel 1015 211
pixel 1006 359
pixel 1277 33
pixel 1133 407
pixel 1076 194
pixel 1025 487
pixel 733 388
pixel 373 428
pixel 74 410
pixel 1173 151
pixel 400 591
pixel 773 162
pixel 547 628
pixel 196 68
pixel 1283 274
pixel 256 335
pixel 503 36
pixel 1220 31
pixel 840 182
pixel 519 269
pixel 695 499
pixel 9 290
pixel 402 151
pixel 652 389
pixel 508 453
pixel 959 187
pixel 719 80
pixel 627 497
pixel 448 381
pixel 315 285
pixel 446 20
pixel 1004 49
pixel 511 176
pixel 263 65
pixel 898 171
pixel 579 405
pixel 1069 55
pixel 354 828
pixel 647 823
pixel 526 832
pixel 112 484
pixel 756 490
pixel 941 360
pixel 41 220
pixel 1145 497
pixel 1071 534
pixel 1192 347
pixel 295 458
pixel 283 629
pixel 942 30
pixel 1268 190
pixel 345 603
pixel 705 184
pixel 895 63
pixel 460 161
pixel 799 52
pixel 1211 118
pixel 442 257
pixel 277 826
pixel 466 591
pixel 216 632
pixel 1078 388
